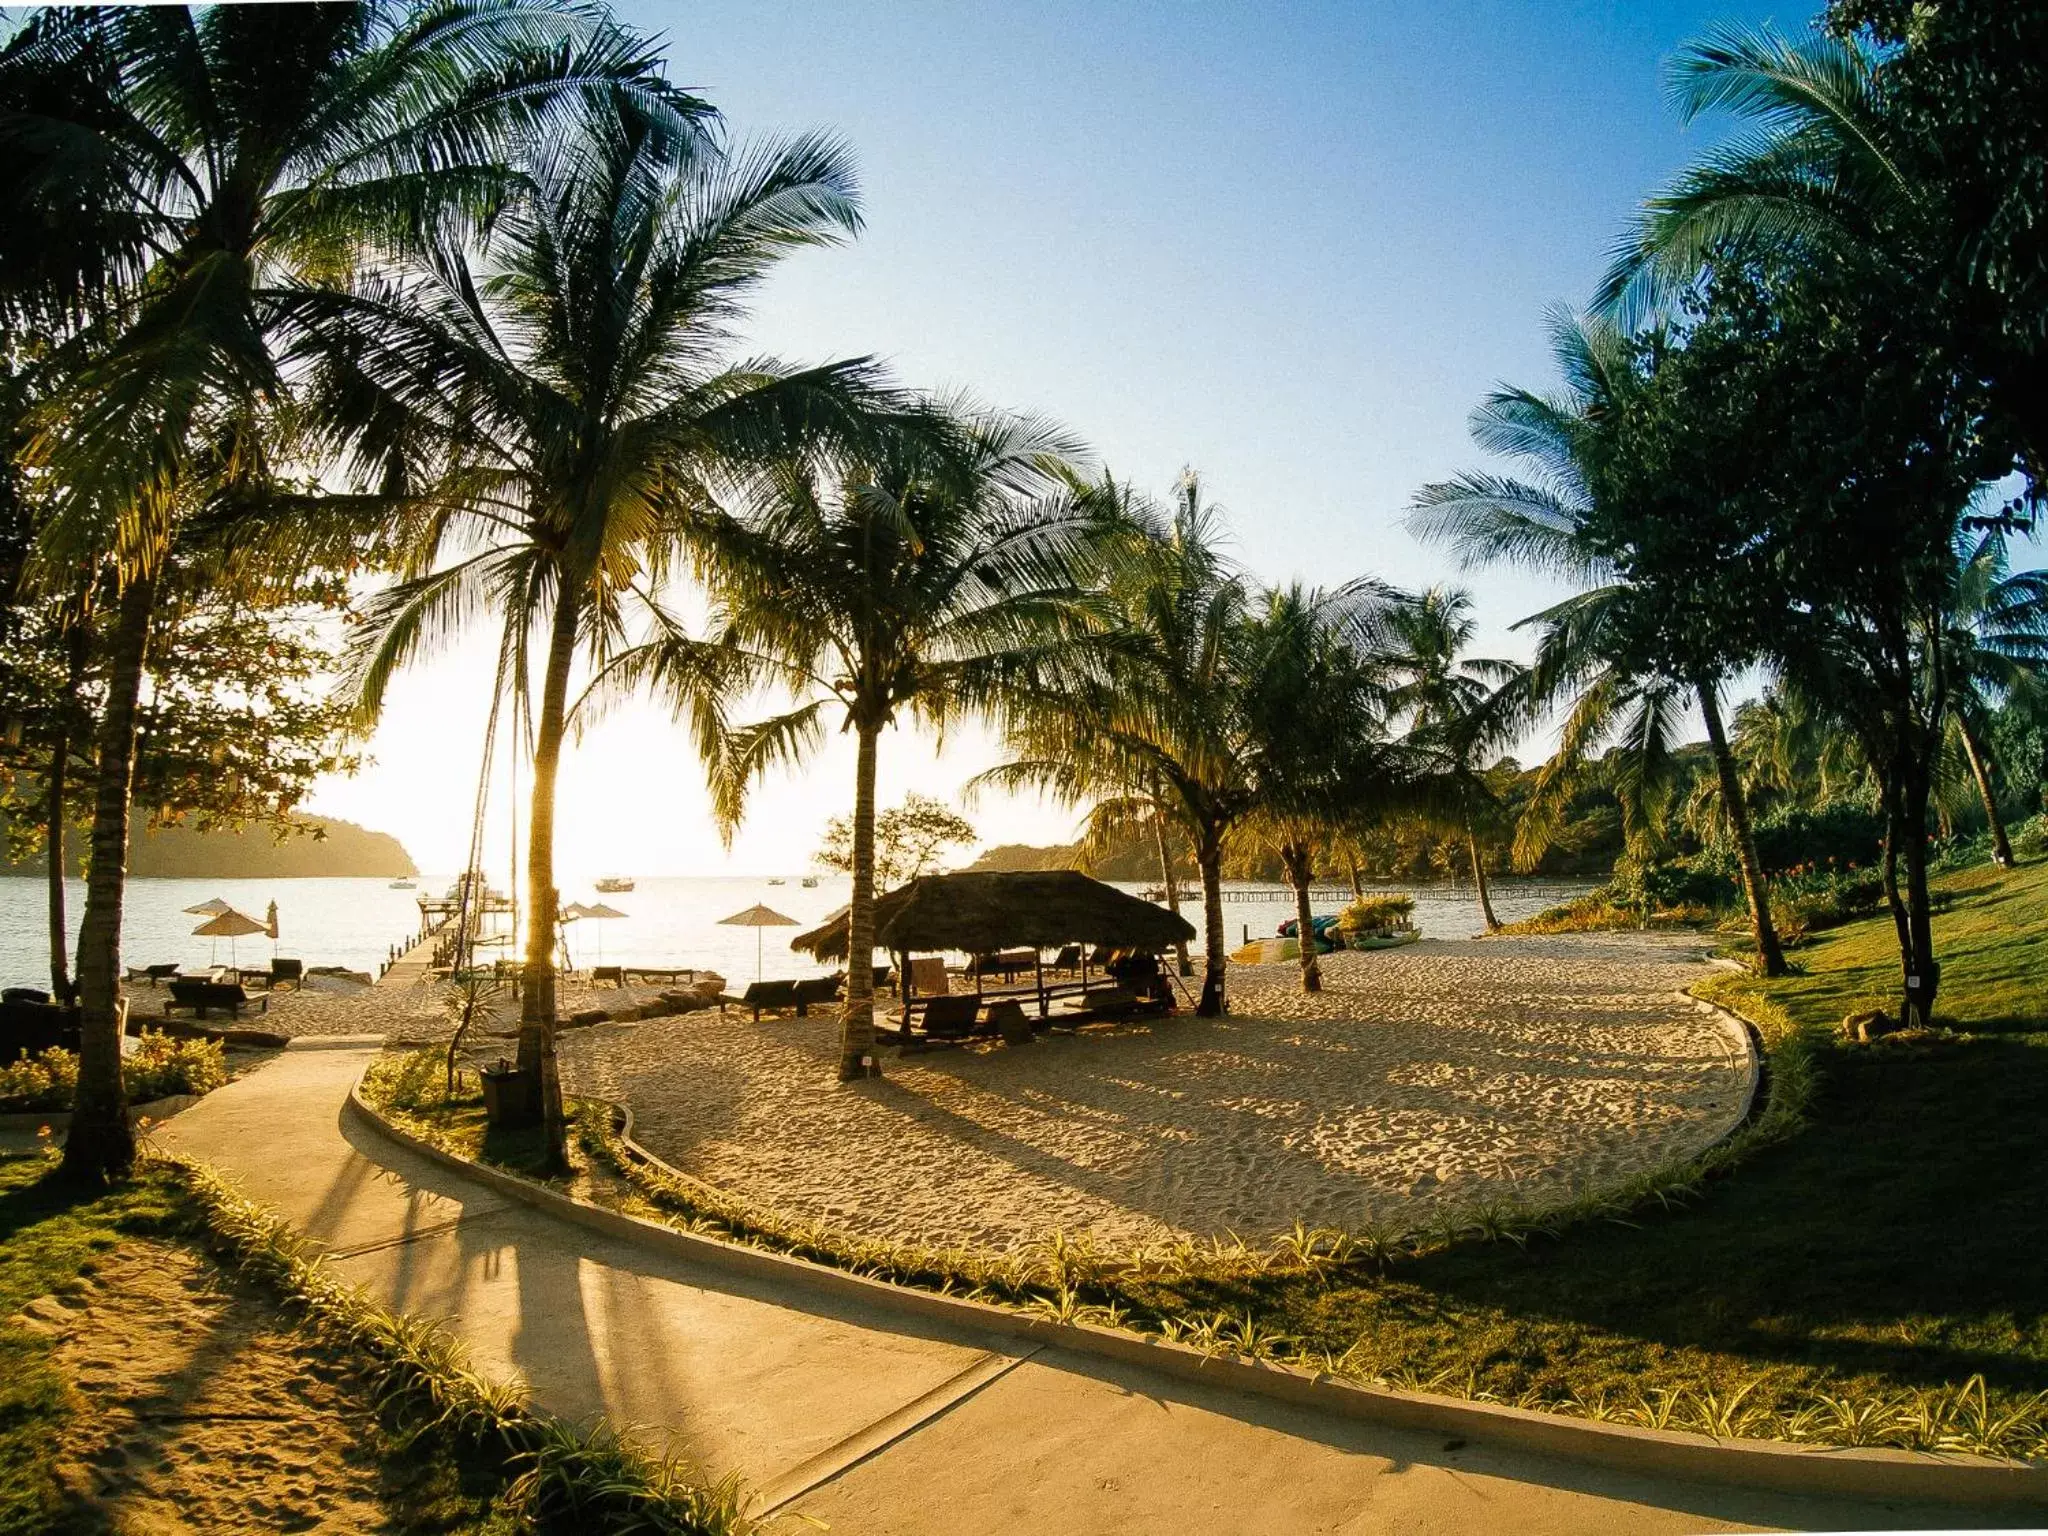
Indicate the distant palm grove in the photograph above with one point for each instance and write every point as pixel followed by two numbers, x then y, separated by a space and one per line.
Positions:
pixel 433 318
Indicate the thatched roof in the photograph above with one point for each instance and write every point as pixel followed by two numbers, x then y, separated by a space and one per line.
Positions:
pixel 975 913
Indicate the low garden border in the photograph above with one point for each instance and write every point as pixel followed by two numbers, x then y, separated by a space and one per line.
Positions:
pixel 1880 1475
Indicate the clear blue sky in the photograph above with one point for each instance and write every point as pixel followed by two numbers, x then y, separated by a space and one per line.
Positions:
pixel 1290 245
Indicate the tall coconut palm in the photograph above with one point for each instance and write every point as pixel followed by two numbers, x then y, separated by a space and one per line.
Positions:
pixel 1311 701
pixel 1160 717
pixel 1997 645
pixel 1837 167
pixel 930 575
pixel 564 409
pixel 171 170
pixel 1461 705
pixel 1542 524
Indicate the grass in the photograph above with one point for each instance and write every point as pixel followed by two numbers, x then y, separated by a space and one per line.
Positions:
pixel 1870 1275
pixel 456 1454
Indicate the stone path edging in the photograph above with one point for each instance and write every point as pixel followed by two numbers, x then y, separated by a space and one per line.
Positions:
pixel 1885 1475
pixel 59 1120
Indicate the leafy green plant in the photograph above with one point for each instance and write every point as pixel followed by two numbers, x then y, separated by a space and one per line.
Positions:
pixel 1374 914
pixel 160 1067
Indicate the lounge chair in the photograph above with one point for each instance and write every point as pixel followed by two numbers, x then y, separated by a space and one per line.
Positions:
pixel 1068 959
pixel 928 978
pixel 153 974
pixel 951 1017
pixel 764 996
pixel 293 971
pixel 615 974
pixel 1007 1019
pixel 816 989
pixel 231 997
pixel 28 1028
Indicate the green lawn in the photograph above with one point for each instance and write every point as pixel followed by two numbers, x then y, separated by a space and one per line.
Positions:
pixel 1899 1241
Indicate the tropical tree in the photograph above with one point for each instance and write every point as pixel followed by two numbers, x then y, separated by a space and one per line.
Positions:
pixel 564 409
pixel 172 173
pixel 1309 692
pixel 1650 630
pixel 931 575
pixel 1462 706
pixel 1997 646
pixel 908 840
pixel 1918 159
pixel 1156 726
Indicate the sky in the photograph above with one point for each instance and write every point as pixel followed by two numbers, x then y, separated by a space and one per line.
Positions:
pixel 1291 246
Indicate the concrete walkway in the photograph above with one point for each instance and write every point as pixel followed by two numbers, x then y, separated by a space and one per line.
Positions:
pixel 866 1421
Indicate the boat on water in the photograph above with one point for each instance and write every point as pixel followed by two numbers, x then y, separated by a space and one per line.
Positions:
pixel 611 883
pixel 777 880
pixel 405 885
pixel 810 882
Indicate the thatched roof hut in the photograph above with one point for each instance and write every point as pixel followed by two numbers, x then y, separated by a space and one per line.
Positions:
pixel 978 913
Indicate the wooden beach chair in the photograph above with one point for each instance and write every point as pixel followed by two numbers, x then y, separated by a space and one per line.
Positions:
pixel 293 971
pixel 231 997
pixel 950 1018
pixel 816 990
pixel 152 974
pixel 929 977
pixel 764 997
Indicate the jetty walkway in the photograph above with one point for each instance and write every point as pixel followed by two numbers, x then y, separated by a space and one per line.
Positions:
pixel 868 1421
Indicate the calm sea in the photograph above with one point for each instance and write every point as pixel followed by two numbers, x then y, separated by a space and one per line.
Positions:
pixel 669 920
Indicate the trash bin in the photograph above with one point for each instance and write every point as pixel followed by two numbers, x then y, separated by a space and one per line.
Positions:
pixel 511 1096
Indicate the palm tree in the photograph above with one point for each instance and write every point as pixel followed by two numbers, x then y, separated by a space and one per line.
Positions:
pixel 1837 169
pixel 1997 645
pixel 1542 524
pixel 578 404
pixel 172 172
pixel 1311 699
pixel 932 574
pixel 1158 720
pixel 1461 705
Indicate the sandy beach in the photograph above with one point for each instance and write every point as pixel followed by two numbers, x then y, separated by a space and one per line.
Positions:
pixel 1442 1074
pixel 1436 1076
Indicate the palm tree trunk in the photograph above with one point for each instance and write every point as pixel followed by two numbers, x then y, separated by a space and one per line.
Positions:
pixel 101 1145
pixel 1479 882
pixel 1166 880
pixel 1923 973
pixel 1209 859
pixel 537 1004
pixel 53 841
pixel 857 1056
pixel 1297 858
pixel 1770 954
pixel 1357 885
pixel 2001 848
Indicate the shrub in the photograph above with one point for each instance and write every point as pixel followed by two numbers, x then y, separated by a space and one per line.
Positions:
pixel 39 1082
pixel 2030 838
pixel 1842 831
pixel 1810 897
pixel 1369 914
pixel 160 1067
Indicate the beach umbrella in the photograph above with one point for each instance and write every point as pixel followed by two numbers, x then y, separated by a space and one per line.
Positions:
pixel 270 927
pixel 757 917
pixel 600 914
pixel 213 906
pixel 229 925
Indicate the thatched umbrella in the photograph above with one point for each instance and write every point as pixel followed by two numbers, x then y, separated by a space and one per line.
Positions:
pixel 757 917
pixel 979 912
pixel 230 925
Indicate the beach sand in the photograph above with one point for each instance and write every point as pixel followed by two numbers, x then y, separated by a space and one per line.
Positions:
pixel 1440 1075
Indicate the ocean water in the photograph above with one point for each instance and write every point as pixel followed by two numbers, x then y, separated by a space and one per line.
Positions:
pixel 670 920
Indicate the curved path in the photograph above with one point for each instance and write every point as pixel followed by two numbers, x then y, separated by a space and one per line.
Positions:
pixel 869 1422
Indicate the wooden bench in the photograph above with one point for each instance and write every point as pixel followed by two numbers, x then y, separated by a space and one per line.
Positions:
pixel 669 974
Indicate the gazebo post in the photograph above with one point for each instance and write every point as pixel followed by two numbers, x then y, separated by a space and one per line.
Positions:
pixel 1038 972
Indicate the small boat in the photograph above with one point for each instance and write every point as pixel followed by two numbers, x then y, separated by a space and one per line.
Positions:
pixel 611 883
pixel 810 882
pixel 404 885
pixel 777 880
